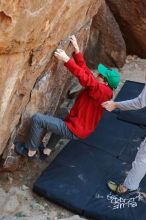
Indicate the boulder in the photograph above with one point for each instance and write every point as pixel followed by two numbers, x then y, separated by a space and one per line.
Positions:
pixel 31 79
pixel 106 44
pixel 131 17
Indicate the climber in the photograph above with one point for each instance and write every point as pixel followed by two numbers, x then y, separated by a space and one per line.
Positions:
pixel 138 171
pixel 87 110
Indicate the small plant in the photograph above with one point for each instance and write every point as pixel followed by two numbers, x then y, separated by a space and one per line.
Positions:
pixel 20 215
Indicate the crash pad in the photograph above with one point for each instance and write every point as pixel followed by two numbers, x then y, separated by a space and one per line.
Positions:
pixel 77 177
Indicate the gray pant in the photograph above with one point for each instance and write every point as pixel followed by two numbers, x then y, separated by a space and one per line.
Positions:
pixel 41 122
pixel 138 170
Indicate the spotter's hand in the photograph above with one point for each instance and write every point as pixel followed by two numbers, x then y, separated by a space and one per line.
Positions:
pixel 109 105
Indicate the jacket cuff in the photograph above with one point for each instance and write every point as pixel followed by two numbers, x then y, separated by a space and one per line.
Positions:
pixel 77 55
pixel 69 63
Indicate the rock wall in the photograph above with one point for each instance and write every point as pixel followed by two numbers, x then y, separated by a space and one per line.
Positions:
pixel 31 79
pixel 131 17
pixel 106 44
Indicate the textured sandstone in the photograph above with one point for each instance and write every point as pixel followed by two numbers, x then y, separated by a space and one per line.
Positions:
pixel 131 17
pixel 106 44
pixel 31 79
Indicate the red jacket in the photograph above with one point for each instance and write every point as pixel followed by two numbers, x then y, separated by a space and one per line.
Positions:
pixel 87 110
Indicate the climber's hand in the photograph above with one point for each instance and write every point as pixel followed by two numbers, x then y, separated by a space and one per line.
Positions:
pixel 61 55
pixel 73 41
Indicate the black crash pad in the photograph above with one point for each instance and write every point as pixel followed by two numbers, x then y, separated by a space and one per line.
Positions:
pixel 135 117
pixel 72 178
pixel 131 90
pixel 114 136
pixel 77 180
pixel 77 177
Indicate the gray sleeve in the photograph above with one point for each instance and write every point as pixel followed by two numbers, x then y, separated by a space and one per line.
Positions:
pixel 133 104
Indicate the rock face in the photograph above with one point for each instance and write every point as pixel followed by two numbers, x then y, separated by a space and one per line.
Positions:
pixel 106 44
pixel 31 80
pixel 51 87
pixel 131 17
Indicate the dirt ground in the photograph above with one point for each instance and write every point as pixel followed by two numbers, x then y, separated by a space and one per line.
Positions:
pixel 16 197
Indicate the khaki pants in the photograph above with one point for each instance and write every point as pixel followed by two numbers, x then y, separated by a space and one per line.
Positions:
pixel 138 170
